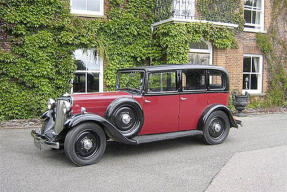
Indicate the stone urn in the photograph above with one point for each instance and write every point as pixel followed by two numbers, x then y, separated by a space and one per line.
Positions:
pixel 240 102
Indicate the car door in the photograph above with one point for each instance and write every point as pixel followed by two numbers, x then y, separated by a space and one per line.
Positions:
pixel 193 98
pixel 161 103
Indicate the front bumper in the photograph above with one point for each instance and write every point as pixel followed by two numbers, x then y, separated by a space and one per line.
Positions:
pixel 42 142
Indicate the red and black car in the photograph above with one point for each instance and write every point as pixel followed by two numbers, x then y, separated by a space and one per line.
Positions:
pixel 150 103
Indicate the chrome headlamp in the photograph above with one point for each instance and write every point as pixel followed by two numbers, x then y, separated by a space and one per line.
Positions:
pixel 51 103
pixel 67 107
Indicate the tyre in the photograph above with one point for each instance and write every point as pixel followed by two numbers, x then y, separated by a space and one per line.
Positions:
pixel 85 144
pixel 126 116
pixel 216 128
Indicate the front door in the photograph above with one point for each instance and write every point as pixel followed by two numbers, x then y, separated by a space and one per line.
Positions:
pixel 193 98
pixel 161 103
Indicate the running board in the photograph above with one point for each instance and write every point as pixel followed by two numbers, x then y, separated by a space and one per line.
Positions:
pixel 165 136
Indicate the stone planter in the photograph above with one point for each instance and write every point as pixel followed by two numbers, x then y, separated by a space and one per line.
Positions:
pixel 240 102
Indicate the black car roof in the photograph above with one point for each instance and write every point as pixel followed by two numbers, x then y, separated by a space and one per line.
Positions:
pixel 175 67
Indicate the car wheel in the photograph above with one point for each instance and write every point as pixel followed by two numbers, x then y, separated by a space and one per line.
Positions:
pixel 85 144
pixel 127 117
pixel 216 128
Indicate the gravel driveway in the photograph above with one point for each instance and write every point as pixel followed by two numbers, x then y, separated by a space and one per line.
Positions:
pixel 177 165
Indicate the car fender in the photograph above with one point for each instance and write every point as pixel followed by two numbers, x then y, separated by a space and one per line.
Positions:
pixel 216 107
pixel 109 128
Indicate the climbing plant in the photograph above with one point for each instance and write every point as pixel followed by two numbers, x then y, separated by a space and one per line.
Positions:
pixel 228 11
pixel 42 35
pixel 275 50
pixel 127 37
pixel 175 39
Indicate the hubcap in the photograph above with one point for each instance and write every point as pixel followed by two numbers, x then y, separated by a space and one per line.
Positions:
pixel 87 143
pixel 126 119
pixel 217 127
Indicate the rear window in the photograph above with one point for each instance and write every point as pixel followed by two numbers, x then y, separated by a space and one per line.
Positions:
pixel 217 80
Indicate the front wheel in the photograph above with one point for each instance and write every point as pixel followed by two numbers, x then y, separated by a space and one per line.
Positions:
pixel 85 144
pixel 216 128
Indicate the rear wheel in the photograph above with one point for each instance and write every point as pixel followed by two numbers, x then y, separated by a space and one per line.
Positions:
pixel 216 128
pixel 85 144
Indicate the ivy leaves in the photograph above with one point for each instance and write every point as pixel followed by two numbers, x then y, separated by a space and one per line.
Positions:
pixel 39 65
pixel 228 11
pixel 126 36
pixel 175 39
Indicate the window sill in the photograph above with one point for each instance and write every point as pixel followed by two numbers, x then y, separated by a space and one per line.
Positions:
pixel 254 30
pixel 253 93
pixel 258 94
pixel 89 15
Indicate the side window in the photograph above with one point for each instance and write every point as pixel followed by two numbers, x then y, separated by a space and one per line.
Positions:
pixel 193 80
pixel 162 82
pixel 216 80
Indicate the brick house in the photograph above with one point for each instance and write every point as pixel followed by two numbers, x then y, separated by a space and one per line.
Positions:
pixel 246 65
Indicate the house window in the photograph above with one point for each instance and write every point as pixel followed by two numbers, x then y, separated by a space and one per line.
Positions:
pixel 200 53
pixel 254 14
pixel 183 9
pixel 87 7
pixel 252 74
pixel 89 73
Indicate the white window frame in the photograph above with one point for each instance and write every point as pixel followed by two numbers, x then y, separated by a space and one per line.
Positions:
pixel 181 6
pixel 260 74
pixel 86 12
pixel 257 27
pixel 101 76
pixel 209 51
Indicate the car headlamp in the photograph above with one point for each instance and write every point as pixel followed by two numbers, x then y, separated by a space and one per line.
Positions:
pixel 83 110
pixel 51 103
pixel 67 107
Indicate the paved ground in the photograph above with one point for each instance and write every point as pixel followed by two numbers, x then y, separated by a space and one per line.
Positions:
pixel 260 170
pixel 178 165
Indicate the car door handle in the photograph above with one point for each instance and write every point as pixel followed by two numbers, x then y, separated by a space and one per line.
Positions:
pixel 147 101
pixel 183 98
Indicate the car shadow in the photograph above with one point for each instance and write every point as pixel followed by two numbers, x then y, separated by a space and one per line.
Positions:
pixel 116 150
pixel 172 144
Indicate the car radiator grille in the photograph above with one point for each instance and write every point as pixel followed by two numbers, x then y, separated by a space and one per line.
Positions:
pixel 60 117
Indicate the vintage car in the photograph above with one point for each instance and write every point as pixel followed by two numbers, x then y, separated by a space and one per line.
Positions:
pixel 151 103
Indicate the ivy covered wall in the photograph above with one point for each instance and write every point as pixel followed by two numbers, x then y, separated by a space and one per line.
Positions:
pixel 274 46
pixel 43 34
pixel 175 39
